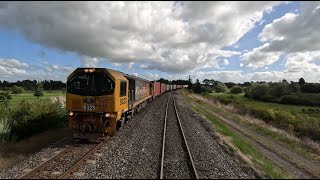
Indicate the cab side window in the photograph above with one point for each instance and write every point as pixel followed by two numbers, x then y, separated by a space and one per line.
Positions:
pixel 123 88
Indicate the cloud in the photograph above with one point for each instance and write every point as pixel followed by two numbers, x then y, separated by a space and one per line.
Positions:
pixel 292 33
pixel 259 57
pixel 87 61
pixel 11 68
pixel 296 37
pixel 167 36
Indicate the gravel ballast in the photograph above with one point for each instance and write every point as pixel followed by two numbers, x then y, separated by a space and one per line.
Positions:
pixel 135 150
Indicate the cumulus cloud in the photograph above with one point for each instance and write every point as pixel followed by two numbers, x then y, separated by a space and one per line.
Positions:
pixel 292 33
pixel 259 57
pixel 87 61
pixel 11 68
pixel 296 37
pixel 167 36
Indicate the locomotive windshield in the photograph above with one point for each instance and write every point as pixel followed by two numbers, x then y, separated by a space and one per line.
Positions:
pixel 90 84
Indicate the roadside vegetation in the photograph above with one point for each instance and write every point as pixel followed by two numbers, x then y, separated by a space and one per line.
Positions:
pixel 211 108
pixel 24 113
pixel 293 107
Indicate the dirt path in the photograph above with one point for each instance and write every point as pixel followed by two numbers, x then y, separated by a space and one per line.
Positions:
pixel 297 165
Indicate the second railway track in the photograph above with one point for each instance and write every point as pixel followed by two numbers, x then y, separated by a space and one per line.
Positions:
pixel 64 163
pixel 176 159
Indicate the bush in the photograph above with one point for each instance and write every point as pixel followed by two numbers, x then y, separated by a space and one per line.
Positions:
pixel 309 100
pixel 221 88
pixel 28 118
pixel 17 90
pixel 236 89
pixel 308 127
pixel 38 93
pixel 285 120
pixel 5 131
pixel 268 115
pixel 6 94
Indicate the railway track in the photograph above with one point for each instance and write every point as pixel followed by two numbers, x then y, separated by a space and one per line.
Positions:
pixel 48 169
pixel 176 157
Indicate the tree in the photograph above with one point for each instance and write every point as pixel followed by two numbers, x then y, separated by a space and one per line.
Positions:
pixel 258 91
pixel 206 81
pixel 301 81
pixel 220 87
pixel 38 93
pixel 162 80
pixel 190 85
pixel 197 87
pixel 212 81
pixel 236 89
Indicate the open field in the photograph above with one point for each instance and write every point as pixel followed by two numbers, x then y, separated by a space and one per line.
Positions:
pixel 29 96
pixel 313 111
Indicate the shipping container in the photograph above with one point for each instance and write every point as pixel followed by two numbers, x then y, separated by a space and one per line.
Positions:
pixel 163 88
pixel 156 89
pixel 168 87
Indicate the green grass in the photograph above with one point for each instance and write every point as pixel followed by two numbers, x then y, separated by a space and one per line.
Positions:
pixel 240 99
pixel 299 148
pixel 29 96
pixel 270 170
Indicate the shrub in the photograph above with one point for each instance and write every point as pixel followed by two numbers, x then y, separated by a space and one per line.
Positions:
pixel 17 90
pixel 300 100
pixel 285 120
pixel 30 118
pixel 308 127
pixel 6 94
pixel 6 134
pixel 38 93
pixel 236 89
pixel 268 115
pixel 220 87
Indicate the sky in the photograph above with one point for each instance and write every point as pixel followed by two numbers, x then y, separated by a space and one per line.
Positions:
pixel 228 41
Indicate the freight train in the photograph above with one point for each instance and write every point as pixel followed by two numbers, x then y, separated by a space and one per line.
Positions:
pixel 99 100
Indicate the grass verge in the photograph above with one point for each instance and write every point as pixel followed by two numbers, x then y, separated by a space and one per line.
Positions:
pixel 269 169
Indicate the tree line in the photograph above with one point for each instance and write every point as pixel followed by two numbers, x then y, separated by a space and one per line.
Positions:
pixel 33 85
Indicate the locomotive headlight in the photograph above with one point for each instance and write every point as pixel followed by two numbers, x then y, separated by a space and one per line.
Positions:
pixel 70 113
pixel 107 115
pixel 91 70
pixel 86 70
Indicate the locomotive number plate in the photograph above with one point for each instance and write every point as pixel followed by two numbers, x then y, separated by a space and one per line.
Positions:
pixel 89 107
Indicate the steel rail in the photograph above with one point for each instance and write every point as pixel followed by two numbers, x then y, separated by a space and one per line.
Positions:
pixel 164 140
pixel 185 141
pixel 75 166
pixel 43 164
